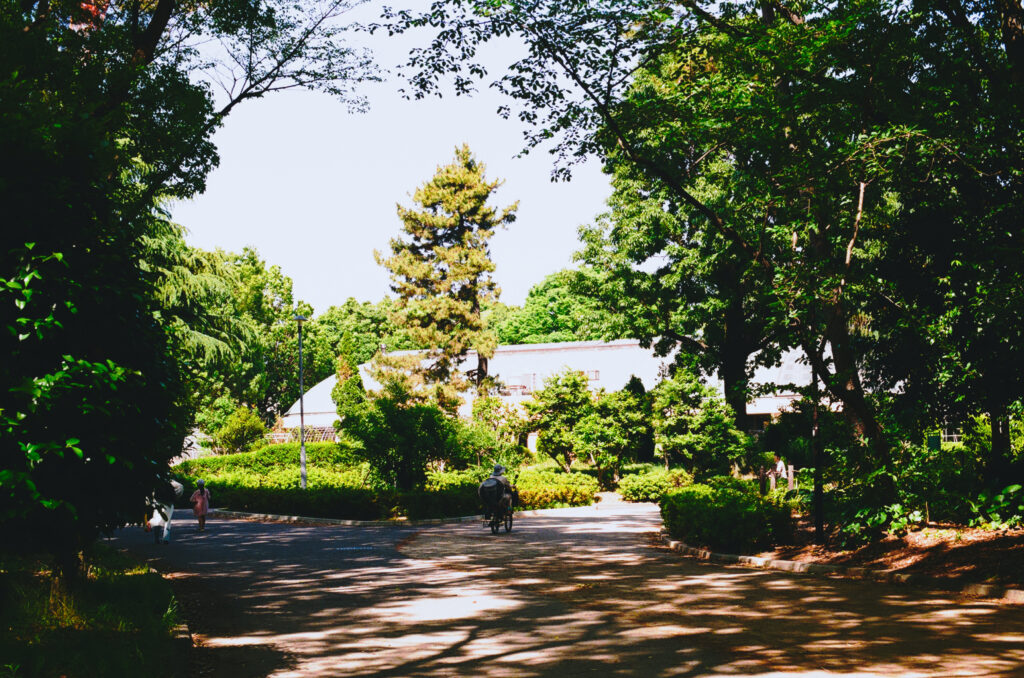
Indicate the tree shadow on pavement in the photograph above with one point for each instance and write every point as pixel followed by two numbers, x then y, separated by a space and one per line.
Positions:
pixel 567 593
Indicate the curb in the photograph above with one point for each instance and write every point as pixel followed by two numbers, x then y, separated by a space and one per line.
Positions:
pixel 999 594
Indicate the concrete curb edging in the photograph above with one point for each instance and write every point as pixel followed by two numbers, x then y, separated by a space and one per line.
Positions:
pixel 988 591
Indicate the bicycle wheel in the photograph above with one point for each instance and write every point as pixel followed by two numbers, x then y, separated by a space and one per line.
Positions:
pixel 495 524
pixel 508 521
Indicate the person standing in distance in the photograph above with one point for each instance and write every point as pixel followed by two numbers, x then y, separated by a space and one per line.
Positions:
pixel 201 504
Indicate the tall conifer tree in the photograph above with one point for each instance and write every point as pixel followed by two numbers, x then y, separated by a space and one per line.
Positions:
pixel 441 268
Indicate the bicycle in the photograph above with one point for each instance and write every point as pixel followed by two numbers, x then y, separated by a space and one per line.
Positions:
pixel 501 516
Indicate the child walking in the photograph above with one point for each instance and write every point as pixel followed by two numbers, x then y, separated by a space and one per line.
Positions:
pixel 201 504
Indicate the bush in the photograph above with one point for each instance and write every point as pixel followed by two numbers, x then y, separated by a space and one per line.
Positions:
pixel 725 518
pixel 442 481
pixel 241 430
pixel 450 502
pixel 399 436
pixel 732 483
pixel 650 486
pixel 332 456
pixel 550 489
pixel 695 428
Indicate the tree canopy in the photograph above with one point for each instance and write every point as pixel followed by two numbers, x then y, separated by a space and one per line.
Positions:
pixel 441 268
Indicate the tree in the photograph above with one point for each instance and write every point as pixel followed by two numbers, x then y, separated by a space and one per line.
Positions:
pixel 241 430
pixel 556 310
pixel 694 303
pixel 556 410
pixel 399 434
pixel 693 427
pixel 358 330
pixel 441 269
pixel 263 374
pixel 104 115
pixel 823 119
pixel 348 393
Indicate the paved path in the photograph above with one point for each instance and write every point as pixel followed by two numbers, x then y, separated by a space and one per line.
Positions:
pixel 566 593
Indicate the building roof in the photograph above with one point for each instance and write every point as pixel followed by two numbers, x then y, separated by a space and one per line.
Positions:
pixel 524 368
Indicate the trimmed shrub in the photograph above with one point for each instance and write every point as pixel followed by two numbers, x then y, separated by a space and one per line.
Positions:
pixel 650 486
pixel 331 456
pixel 726 519
pixel 351 503
pixel 551 489
pixel 732 483
pixel 441 481
pixel 449 502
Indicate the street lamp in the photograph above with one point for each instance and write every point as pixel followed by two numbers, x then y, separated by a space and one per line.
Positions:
pixel 302 411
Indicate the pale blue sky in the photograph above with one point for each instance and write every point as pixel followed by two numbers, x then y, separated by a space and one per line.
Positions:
pixel 314 188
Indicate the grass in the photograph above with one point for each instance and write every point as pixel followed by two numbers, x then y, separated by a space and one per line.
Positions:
pixel 116 622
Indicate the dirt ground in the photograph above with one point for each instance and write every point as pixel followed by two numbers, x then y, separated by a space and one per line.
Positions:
pixel 946 552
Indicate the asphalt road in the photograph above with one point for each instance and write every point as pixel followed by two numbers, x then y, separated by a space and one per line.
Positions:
pixel 569 592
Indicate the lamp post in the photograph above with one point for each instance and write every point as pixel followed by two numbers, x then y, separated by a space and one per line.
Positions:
pixel 302 412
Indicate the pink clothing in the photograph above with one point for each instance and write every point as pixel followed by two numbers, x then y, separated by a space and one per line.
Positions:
pixel 200 502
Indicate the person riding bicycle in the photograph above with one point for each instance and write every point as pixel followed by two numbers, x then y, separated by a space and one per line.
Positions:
pixel 497 492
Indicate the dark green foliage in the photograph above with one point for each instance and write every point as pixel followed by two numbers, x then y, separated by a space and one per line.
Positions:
pixel 398 436
pixel 240 431
pixel 744 485
pixel 790 433
pixel 342 502
pixel 999 510
pixel 556 410
pixel 725 519
pixel 104 312
pixel 91 387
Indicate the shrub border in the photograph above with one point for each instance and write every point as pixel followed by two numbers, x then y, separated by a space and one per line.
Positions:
pixel 999 594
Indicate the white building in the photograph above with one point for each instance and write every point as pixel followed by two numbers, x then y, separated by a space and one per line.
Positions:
pixel 607 364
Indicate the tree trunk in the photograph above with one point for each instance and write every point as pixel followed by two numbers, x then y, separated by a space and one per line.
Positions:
pixel 1011 24
pixel 997 470
pixel 481 372
pixel 845 386
pixel 734 382
pixel 733 366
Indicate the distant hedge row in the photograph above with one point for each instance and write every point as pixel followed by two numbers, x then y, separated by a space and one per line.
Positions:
pixel 339 486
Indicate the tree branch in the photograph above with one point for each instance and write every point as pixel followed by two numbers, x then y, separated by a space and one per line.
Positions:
pixel 145 45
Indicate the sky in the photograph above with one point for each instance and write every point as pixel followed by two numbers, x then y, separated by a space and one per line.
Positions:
pixel 313 187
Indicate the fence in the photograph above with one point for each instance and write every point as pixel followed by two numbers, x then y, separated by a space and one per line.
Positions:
pixel 313 434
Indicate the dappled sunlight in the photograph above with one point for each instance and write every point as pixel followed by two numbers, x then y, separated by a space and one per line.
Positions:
pixel 471 602
pixel 576 593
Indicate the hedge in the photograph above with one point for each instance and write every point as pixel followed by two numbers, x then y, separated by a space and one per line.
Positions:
pixel 651 485
pixel 339 487
pixel 725 518
pixel 550 489
pixel 327 455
